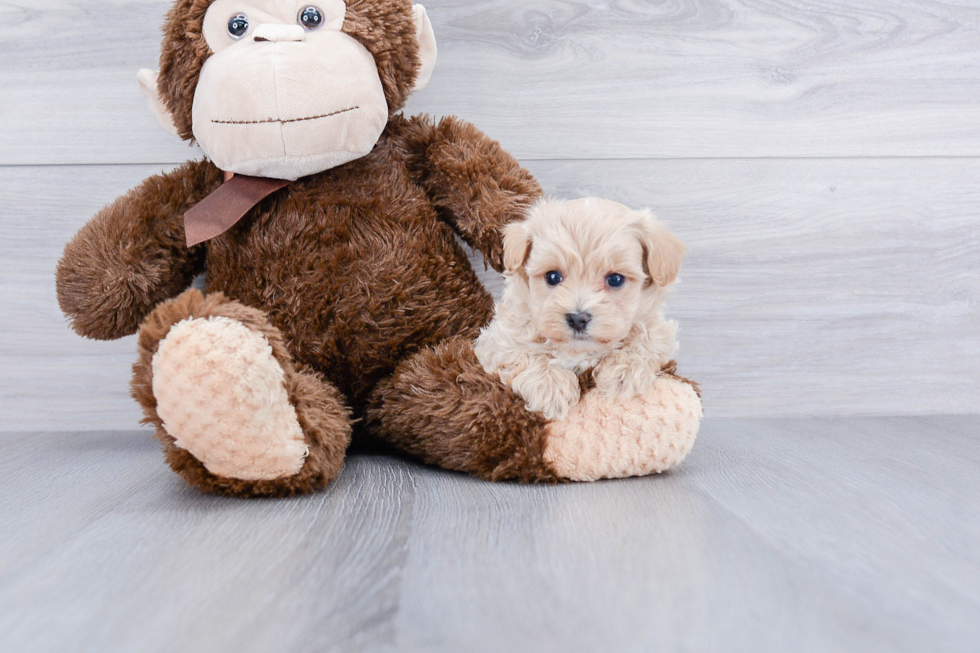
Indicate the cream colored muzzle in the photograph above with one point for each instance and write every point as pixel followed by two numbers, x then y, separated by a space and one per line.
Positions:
pixel 285 104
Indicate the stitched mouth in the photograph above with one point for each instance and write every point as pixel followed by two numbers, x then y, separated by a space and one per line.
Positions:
pixel 282 122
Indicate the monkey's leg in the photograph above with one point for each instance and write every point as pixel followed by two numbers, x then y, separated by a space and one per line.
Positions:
pixel 235 415
pixel 441 407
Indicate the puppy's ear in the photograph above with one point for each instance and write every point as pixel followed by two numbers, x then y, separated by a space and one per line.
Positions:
pixel 662 251
pixel 517 246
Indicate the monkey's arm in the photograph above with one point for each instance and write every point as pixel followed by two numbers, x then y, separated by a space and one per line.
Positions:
pixel 476 185
pixel 132 254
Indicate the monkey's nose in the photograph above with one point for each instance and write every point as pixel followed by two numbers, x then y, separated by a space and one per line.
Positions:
pixel 279 33
pixel 578 321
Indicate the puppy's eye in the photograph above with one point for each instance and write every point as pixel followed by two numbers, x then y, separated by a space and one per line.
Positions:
pixel 615 280
pixel 237 26
pixel 310 18
pixel 553 278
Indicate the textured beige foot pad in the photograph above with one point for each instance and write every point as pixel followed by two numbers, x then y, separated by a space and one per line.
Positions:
pixel 606 438
pixel 221 396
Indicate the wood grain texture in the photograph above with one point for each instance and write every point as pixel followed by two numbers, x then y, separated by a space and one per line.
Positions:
pixel 557 79
pixel 813 287
pixel 775 535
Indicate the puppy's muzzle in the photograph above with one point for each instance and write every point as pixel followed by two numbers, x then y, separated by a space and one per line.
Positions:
pixel 578 321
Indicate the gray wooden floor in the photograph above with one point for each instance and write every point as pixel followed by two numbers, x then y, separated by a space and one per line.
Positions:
pixel 859 534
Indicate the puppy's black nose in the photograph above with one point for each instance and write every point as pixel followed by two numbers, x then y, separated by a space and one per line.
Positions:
pixel 578 321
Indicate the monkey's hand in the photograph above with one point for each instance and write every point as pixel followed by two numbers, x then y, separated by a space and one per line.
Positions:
pixel 474 183
pixel 132 254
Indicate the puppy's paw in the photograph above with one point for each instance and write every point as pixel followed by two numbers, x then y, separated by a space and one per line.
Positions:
pixel 549 391
pixel 622 376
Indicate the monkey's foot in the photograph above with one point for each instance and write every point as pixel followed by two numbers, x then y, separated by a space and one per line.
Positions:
pixel 234 415
pixel 221 396
pixel 604 437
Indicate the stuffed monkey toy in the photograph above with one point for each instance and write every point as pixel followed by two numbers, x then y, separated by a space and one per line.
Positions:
pixel 338 301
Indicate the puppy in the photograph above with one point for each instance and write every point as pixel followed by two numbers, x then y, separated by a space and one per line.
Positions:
pixel 584 287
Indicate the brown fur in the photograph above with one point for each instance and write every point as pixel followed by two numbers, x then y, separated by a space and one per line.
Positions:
pixel 586 381
pixel 319 406
pixel 357 267
pixel 387 29
pixel 349 273
pixel 470 179
pixel 132 255
pixel 441 407
pixel 182 56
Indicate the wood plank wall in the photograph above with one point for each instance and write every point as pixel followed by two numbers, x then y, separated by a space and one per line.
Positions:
pixel 820 158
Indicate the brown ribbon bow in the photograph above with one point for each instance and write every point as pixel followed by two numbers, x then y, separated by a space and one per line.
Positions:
pixel 222 209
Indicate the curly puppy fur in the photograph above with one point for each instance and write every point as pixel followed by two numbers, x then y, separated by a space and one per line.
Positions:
pixel 534 343
pixel 347 273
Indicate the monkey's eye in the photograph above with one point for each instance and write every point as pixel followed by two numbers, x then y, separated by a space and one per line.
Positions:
pixel 615 280
pixel 310 18
pixel 553 278
pixel 237 26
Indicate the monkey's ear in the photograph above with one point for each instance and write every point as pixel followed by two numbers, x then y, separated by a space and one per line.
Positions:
pixel 662 251
pixel 148 85
pixel 517 246
pixel 427 47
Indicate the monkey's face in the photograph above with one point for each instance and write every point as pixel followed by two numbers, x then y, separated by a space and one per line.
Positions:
pixel 287 88
pixel 286 92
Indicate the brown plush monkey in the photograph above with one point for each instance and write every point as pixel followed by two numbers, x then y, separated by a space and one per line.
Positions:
pixel 339 299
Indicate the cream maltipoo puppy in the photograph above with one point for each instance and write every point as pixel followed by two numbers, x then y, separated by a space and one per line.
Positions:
pixel 584 289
